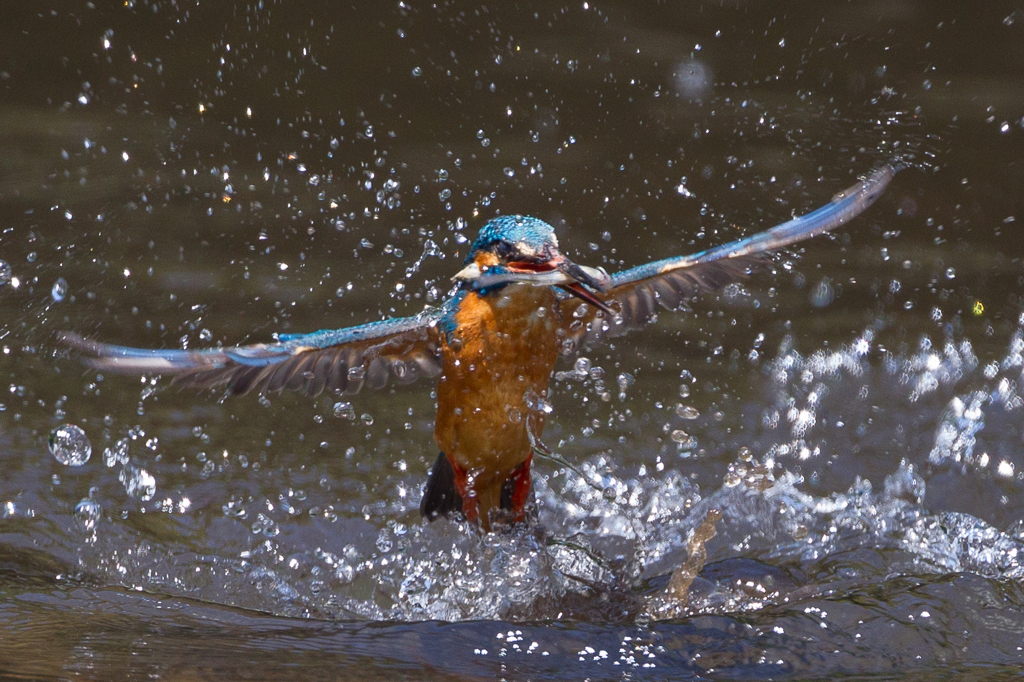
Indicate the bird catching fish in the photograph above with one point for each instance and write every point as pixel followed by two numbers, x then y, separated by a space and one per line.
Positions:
pixel 518 306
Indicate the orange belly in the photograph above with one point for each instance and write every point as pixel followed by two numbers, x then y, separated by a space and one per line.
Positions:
pixel 497 367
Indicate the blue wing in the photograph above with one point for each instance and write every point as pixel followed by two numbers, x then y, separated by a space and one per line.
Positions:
pixel 671 282
pixel 332 359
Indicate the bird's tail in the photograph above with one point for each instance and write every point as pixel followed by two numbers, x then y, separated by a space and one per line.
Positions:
pixel 440 498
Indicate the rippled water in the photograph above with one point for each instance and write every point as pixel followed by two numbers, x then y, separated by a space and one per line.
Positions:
pixel 179 175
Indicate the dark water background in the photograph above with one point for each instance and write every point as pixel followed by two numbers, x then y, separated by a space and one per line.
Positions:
pixel 180 173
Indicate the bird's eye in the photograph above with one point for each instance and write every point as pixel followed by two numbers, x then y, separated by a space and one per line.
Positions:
pixel 503 249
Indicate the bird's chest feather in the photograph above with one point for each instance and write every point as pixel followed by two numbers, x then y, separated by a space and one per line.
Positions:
pixel 499 354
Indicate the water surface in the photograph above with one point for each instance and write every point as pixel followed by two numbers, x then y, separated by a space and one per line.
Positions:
pixel 177 175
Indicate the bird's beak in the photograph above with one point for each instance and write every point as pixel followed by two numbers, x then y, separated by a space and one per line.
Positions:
pixel 557 272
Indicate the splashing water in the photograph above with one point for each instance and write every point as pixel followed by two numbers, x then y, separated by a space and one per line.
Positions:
pixel 608 536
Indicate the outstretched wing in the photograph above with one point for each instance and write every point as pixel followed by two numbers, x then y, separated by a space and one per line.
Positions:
pixel 331 359
pixel 637 293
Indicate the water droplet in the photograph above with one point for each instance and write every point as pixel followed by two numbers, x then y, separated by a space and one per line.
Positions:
pixel 823 293
pixel 70 446
pixel 687 412
pixel 367 419
pixel 417 72
pixel 87 513
pixel 684 439
pixel 5 272
pixel 510 172
pixel 263 525
pixel 693 79
pixel 537 402
pixel 345 411
pixel 117 454
pixel 59 290
pixel 138 482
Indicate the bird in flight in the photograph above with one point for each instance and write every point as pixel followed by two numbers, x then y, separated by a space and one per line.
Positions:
pixel 519 304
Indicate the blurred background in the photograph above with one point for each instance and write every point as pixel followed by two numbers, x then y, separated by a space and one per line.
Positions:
pixel 182 174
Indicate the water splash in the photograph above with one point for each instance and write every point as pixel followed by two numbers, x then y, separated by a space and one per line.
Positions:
pixel 957 434
pixel 608 534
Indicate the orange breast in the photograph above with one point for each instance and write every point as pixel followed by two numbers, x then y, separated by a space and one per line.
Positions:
pixel 497 367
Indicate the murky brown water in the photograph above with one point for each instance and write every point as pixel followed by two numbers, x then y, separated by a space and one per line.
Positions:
pixel 178 173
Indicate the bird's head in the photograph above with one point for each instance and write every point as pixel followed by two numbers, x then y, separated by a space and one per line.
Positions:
pixel 521 249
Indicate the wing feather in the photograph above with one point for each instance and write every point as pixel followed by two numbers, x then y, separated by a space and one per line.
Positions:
pixel 342 360
pixel 671 283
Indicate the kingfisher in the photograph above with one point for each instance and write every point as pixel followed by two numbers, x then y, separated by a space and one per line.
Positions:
pixel 518 305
